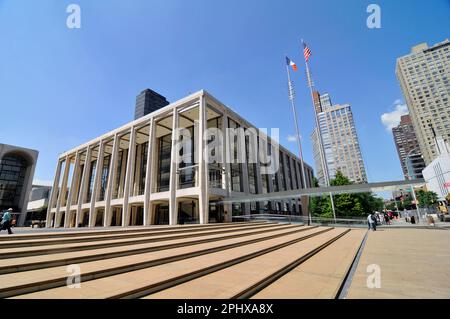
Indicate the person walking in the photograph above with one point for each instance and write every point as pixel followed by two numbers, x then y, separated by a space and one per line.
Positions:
pixel 374 225
pixel 6 221
pixel 382 220
pixel 372 222
pixel 386 219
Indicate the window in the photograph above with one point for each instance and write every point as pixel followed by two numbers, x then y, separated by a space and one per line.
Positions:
pixel 12 175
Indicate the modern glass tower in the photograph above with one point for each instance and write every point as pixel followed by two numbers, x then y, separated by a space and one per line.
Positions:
pixel 340 141
pixel 424 77
pixel 148 101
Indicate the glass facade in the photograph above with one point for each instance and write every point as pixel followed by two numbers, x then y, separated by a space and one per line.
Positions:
pixel 282 177
pixel 12 175
pixel 91 181
pixel 187 168
pixel 142 168
pixel 235 168
pixel 104 178
pixel 165 148
pixel 215 168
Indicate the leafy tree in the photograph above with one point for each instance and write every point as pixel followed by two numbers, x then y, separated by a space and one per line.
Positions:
pixel 320 206
pixel 426 198
pixel 345 204
pixel 391 206
pixel 340 179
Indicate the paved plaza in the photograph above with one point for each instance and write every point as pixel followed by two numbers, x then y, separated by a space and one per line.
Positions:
pixel 414 263
pixel 257 260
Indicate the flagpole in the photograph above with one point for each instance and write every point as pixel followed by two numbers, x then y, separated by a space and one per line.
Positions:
pixel 297 130
pixel 319 134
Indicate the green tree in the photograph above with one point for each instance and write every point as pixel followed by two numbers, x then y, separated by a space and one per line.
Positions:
pixel 391 206
pixel 344 204
pixel 319 206
pixel 340 179
pixel 426 198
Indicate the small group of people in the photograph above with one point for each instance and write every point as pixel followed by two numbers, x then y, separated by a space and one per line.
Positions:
pixel 375 218
pixel 6 221
pixel 410 219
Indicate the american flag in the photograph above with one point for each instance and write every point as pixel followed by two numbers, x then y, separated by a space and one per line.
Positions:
pixel 306 51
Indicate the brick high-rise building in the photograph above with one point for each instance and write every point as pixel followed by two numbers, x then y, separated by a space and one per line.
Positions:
pixel 408 149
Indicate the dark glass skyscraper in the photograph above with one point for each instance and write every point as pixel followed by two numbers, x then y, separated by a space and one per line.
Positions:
pixel 147 102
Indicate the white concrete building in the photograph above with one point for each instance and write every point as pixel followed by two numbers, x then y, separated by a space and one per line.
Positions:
pixel 139 175
pixel 437 173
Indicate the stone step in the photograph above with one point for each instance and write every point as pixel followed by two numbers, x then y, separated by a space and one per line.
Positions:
pixel 67 232
pixel 319 277
pixel 241 280
pixel 135 234
pixel 59 248
pixel 12 265
pixel 35 280
pixel 145 281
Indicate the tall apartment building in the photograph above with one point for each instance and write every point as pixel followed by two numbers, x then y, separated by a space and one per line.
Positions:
pixel 147 102
pixel 408 149
pixel 137 175
pixel 340 141
pixel 424 77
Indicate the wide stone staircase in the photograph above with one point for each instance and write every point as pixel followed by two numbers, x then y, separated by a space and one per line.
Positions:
pixel 231 260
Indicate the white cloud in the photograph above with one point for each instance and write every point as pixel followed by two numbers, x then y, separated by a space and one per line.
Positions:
pixel 42 182
pixel 392 119
pixel 291 138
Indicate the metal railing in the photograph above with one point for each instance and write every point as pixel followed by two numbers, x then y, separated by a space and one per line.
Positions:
pixel 305 220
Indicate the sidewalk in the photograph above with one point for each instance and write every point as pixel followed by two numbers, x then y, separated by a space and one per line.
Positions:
pixel 413 263
pixel 422 224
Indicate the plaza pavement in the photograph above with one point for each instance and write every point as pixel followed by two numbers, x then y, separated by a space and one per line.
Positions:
pixel 256 260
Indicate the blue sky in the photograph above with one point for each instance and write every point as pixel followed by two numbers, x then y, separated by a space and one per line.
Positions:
pixel 61 87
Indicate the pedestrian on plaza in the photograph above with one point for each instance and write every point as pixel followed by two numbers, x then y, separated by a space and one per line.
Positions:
pixel 386 219
pixel 6 221
pixel 407 217
pixel 371 220
pixel 382 219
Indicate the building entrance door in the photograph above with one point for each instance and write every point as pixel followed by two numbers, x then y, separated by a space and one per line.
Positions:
pixel 116 218
pixel 216 214
pixel 62 219
pixel 187 213
pixel 161 214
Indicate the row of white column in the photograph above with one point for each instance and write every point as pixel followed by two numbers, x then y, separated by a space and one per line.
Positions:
pixel 58 198
pixel 81 186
